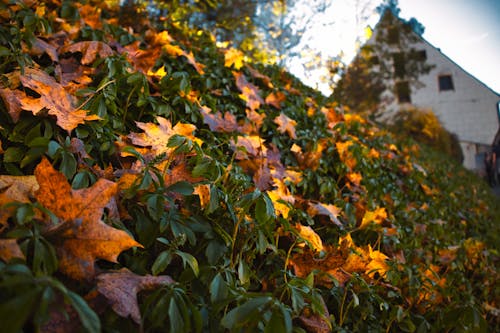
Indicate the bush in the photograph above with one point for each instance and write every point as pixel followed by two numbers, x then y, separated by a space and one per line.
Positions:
pixel 424 127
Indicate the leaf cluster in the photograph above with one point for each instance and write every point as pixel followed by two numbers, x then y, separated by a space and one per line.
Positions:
pixel 198 193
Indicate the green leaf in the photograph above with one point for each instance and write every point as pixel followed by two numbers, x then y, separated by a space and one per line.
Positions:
pixel 181 187
pixel 4 51
pixel 244 272
pixel 161 262
pixel 13 154
pixel 15 312
pixel 88 317
pixel 175 317
pixel 218 289
pixel 242 314
pixel 190 260
pixel 264 209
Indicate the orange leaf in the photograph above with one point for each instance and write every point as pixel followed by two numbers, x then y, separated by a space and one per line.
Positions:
pixel 275 99
pixel 121 288
pixel 203 192
pixel 83 237
pixel 52 97
pixel 286 125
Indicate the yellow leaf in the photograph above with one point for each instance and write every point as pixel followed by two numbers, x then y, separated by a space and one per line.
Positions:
pixel 159 73
pixel 309 235
pixel 377 263
pixel 377 216
pixel 233 57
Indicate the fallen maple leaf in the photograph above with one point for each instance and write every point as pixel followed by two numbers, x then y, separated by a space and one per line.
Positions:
pixel 233 57
pixel 249 92
pixel 286 125
pixel 39 47
pixel 82 236
pixel 121 288
pixel 377 216
pixel 10 249
pixel 275 99
pixel 331 211
pixel 249 145
pixel 218 122
pixel 157 136
pixel 309 235
pixel 14 189
pixel 53 97
pixel 90 50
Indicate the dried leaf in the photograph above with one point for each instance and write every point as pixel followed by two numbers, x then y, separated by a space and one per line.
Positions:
pixel 309 235
pixel 252 145
pixel 286 125
pixel 203 192
pixel 217 122
pixel 377 216
pixel 10 249
pixel 331 211
pixel 157 136
pixel 52 97
pixel 90 50
pixel 249 92
pixel 275 99
pixel 39 47
pixel 233 57
pixel 83 237
pixel 14 189
pixel 121 289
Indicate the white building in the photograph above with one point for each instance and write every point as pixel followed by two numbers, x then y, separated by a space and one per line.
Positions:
pixel 464 105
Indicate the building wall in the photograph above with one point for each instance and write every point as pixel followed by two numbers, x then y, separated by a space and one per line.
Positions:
pixel 469 110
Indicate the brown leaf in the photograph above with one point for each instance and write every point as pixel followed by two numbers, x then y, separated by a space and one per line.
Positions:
pixel 217 122
pixel 52 96
pixel 82 236
pixel 316 323
pixel 14 189
pixel 121 289
pixel 249 92
pixel 10 249
pixel 331 211
pixel 90 50
pixel 39 47
pixel 286 125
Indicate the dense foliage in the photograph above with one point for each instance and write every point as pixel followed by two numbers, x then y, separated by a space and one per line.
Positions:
pixel 151 181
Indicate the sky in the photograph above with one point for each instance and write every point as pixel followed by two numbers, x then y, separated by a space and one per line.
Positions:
pixel 467 31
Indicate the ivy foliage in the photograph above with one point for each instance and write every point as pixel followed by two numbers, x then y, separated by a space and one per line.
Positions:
pixel 280 213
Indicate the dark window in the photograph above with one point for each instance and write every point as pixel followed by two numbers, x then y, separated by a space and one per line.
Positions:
pixel 374 60
pixel 393 35
pixel 403 92
pixel 422 55
pixel 399 64
pixel 445 83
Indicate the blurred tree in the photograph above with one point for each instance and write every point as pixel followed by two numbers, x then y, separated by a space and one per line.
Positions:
pixel 266 30
pixel 388 61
